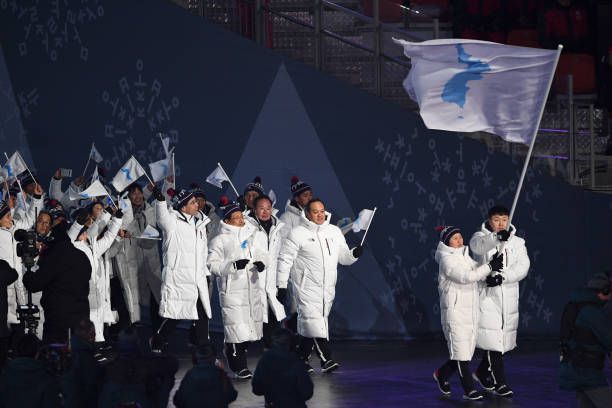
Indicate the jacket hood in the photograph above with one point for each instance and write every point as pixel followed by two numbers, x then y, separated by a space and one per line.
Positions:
pixel 585 295
pixel 292 209
pixel 246 230
pixel 311 225
pixel 444 249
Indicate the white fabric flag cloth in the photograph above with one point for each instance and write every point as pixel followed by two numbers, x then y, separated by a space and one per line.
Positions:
pixel 149 233
pixel 470 85
pixel 363 220
pixel 127 174
pixel 96 189
pixel 217 177
pixel 95 155
pixel 160 169
pixel 95 175
pixel 14 166
pixel 166 145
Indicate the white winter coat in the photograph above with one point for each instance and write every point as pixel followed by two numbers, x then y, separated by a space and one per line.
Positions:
pixel 311 254
pixel 499 306
pixel 138 264
pixel 8 251
pixel 99 283
pixel 184 252
pixel 241 293
pixel 266 247
pixel 291 218
pixel 458 278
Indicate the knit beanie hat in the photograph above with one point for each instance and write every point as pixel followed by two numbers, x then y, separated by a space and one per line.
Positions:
pixel 298 186
pixel 446 233
pixel 255 185
pixel 599 282
pixel 181 199
pixel 197 191
pixel 227 207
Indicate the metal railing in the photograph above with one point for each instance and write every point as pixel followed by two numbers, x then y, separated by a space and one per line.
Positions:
pixel 334 37
pixel 339 39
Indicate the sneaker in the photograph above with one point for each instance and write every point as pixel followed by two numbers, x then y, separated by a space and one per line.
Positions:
pixel 329 366
pixel 473 396
pixel 485 382
pixel 244 374
pixel 504 391
pixel 309 368
pixel 443 386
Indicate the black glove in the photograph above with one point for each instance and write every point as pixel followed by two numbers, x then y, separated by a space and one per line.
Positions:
pixel 281 295
pixel 241 263
pixel 503 235
pixel 119 214
pixel 497 262
pixel 158 194
pixel 357 251
pixel 259 265
pixel 493 281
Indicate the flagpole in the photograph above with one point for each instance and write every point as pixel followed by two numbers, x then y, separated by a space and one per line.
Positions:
pixel 368 227
pixel 173 171
pixel 228 179
pixel 88 159
pixel 111 200
pixel 533 139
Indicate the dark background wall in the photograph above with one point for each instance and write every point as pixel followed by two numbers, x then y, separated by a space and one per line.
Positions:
pixel 119 72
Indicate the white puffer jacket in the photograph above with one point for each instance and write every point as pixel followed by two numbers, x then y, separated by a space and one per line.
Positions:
pixel 240 292
pixel 291 218
pixel 458 278
pixel 311 254
pixel 8 251
pixel 266 247
pixel 184 253
pixel 138 264
pixel 499 306
pixel 99 283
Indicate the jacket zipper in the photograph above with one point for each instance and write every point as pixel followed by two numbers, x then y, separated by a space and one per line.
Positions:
pixel 323 262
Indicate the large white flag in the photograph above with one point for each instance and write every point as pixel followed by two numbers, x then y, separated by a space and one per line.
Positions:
pixel 160 169
pixel 363 220
pixel 127 174
pixel 95 155
pixel 217 177
pixel 470 85
pixel 96 189
pixel 14 166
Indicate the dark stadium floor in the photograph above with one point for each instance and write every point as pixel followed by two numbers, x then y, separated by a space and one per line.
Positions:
pixel 398 374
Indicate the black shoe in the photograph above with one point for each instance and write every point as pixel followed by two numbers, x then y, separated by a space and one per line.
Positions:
pixel 329 366
pixel 244 374
pixel 504 391
pixel 473 396
pixel 485 382
pixel 443 386
pixel 156 345
pixel 309 368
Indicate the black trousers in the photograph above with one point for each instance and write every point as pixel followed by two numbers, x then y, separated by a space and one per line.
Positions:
pixel 4 348
pixel 268 328
pixel 465 375
pixel 54 332
pixel 167 327
pixel 118 304
pixel 319 345
pixel 492 365
pixel 236 354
